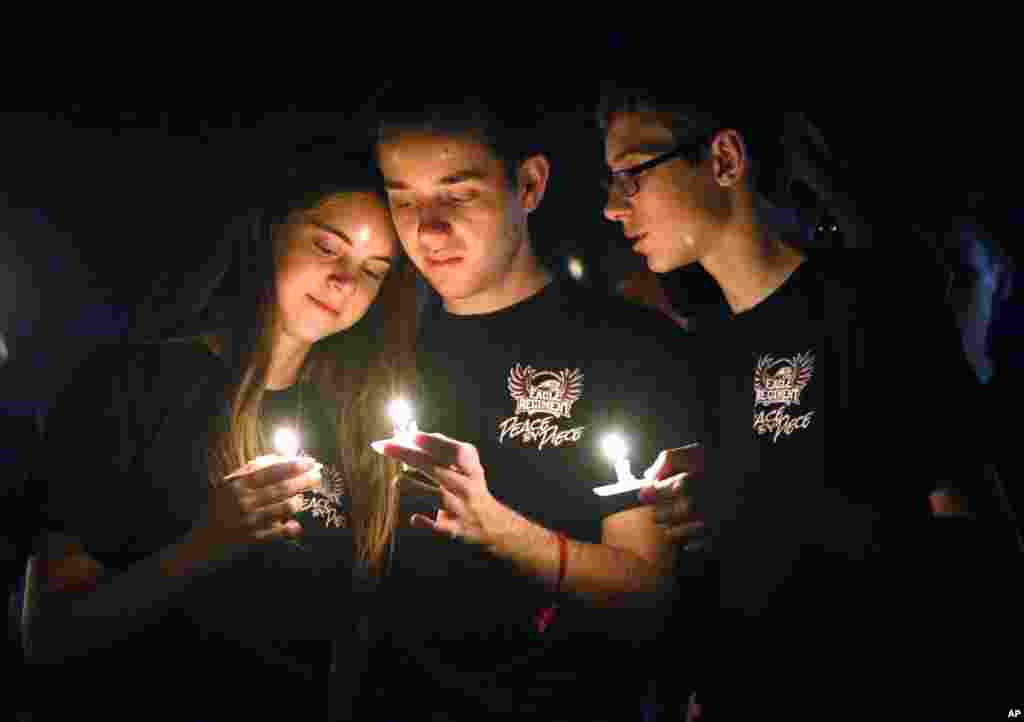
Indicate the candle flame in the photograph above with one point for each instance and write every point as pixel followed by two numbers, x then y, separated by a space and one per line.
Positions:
pixel 614 447
pixel 576 267
pixel 286 441
pixel 401 413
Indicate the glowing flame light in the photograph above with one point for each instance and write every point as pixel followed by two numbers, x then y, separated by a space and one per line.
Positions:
pixel 286 442
pixel 403 419
pixel 401 413
pixel 576 267
pixel 614 447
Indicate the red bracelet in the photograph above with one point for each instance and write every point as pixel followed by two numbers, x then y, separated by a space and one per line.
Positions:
pixel 547 615
pixel 563 559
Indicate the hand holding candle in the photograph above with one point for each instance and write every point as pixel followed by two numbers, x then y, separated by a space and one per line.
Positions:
pixel 468 510
pixel 288 445
pixel 669 492
pixel 615 448
pixel 405 430
pixel 255 503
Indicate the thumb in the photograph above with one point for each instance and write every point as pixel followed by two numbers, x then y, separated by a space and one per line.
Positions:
pixel 443 526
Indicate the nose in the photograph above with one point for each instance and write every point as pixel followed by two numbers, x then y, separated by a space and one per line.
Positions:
pixel 616 208
pixel 342 278
pixel 433 230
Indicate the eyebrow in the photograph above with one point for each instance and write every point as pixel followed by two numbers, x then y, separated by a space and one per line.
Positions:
pixel 461 176
pixel 340 234
pixel 644 149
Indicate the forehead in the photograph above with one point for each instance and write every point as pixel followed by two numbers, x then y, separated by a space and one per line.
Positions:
pixel 419 156
pixel 361 215
pixel 635 133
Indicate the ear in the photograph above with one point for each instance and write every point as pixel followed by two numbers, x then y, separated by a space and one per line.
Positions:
pixel 533 181
pixel 730 162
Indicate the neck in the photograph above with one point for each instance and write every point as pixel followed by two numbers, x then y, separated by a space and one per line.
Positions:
pixel 524 277
pixel 750 261
pixel 286 357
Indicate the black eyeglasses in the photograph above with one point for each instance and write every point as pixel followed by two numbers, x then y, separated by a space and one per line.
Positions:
pixel 625 181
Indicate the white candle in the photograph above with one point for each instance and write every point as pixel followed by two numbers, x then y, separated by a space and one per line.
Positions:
pixel 616 449
pixel 286 441
pixel 404 421
pixel 288 444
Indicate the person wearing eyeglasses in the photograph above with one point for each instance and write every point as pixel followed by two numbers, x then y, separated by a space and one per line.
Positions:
pixel 832 379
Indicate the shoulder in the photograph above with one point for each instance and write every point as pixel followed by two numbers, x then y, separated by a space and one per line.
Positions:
pixel 603 312
pixel 133 368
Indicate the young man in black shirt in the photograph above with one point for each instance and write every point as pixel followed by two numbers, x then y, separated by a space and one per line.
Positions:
pixel 831 385
pixel 526 594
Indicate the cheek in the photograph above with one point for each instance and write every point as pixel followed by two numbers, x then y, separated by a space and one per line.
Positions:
pixel 293 278
pixel 284 283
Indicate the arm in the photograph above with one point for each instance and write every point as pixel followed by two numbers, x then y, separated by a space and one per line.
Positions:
pixel 77 606
pixel 631 565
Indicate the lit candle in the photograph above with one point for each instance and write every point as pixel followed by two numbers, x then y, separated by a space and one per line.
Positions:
pixel 615 448
pixel 286 441
pixel 405 423
pixel 288 444
pixel 405 434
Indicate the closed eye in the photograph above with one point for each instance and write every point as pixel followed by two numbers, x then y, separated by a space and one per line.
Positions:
pixel 324 248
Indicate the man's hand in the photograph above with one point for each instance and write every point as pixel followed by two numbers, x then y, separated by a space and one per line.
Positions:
pixel 629 563
pixel 468 511
pixel 673 472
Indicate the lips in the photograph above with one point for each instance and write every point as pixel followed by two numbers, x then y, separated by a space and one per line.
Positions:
pixel 324 307
pixel 636 240
pixel 444 262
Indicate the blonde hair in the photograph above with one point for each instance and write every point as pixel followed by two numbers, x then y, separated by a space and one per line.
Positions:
pixel 354 372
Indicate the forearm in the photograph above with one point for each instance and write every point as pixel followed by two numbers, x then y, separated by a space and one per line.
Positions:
pixel 72 623
pixel 600 574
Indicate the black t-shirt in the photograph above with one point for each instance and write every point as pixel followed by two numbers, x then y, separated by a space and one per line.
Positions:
pixel 126 473
pixel 534 387
pixel 836 405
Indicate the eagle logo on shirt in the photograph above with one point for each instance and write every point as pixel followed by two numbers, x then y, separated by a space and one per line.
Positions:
pixel 550 392
pixel 548 395
pixel 327 504
pixel 780 381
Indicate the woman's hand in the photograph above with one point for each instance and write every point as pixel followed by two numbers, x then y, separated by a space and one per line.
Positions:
pixel 255 503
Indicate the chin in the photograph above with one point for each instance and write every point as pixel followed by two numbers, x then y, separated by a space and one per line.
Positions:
pixel 455 288
pixel 658 264
pixel 667 264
